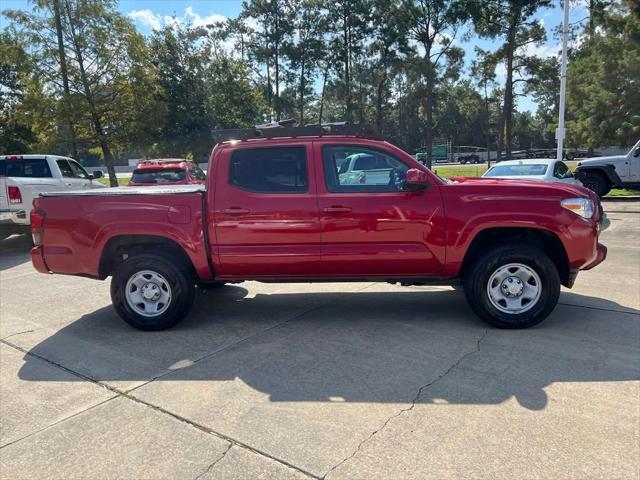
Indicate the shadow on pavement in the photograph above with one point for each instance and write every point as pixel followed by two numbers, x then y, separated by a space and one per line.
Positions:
pixel 15 250
pixel 352 347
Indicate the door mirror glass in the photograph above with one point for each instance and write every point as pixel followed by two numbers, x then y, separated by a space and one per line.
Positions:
pixel 636 154
pixel 97 174
pixel 416 179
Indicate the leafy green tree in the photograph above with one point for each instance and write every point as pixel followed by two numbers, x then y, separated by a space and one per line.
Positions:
pixel 15 71
pixel 434 25
pixel 603 100
pixel 513 21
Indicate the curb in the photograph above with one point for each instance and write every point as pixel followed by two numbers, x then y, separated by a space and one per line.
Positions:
pixel 630 198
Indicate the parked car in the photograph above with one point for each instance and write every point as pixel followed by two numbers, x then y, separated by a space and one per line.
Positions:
pixel 546 170
pixel 277 209
pixel 22 177
pixel 601 174
pixel 167 171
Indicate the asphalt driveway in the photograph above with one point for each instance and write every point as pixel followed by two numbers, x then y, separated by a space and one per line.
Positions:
pixel 362 380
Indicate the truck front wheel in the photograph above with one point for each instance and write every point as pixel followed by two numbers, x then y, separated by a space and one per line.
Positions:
pixel 512 286
pixel 150 293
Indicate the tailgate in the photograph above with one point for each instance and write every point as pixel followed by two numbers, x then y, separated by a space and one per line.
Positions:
pixel 4 204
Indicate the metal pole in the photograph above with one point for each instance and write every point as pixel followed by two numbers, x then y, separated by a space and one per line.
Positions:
pixel 560 132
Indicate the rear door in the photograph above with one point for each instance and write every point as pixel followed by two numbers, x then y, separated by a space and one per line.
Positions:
pixel 266 213
pixel 370 225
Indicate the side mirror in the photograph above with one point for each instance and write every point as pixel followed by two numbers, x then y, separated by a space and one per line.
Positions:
pixel 579 175
pixel 636 154
pixel 415 180
pixel 97 174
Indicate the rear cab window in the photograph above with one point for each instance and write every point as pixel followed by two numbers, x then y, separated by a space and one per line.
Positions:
pixel 158 175
pixel 269 170
pixel 25 168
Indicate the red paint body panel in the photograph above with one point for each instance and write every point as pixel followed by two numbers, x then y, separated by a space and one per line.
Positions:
pixel 316 234
pixel 76 230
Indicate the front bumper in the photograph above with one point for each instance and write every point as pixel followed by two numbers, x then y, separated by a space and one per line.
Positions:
pixel 601 255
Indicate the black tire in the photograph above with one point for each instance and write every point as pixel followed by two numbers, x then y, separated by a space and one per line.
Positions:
pixel 179 278
pixel 597 183
pixel 478 275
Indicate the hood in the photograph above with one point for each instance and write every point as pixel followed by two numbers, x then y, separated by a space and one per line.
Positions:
pixel 534 186
pixel 601 160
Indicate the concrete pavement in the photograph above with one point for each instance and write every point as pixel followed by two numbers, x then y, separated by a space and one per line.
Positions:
pixel 360 380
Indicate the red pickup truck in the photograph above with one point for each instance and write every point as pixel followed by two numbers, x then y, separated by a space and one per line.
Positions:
pixel 287 209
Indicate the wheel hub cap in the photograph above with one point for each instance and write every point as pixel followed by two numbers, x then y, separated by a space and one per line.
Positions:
pixel 148 293
pixel 514 288
pixel 151 291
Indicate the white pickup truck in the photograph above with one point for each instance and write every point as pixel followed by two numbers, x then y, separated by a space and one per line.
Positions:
pixel 23 177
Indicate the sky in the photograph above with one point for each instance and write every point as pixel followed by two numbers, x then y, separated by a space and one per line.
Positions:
pixel 150 14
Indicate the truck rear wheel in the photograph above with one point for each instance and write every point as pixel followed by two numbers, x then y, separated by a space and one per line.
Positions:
pixel 512 286
pixel 150 293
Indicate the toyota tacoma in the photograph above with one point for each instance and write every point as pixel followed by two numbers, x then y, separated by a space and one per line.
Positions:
pixel 278 207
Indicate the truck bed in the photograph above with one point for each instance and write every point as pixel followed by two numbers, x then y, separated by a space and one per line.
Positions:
pixel 151 190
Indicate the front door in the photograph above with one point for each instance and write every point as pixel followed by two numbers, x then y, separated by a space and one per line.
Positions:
pixel 370 224
pixel 266 213
pixel 74 177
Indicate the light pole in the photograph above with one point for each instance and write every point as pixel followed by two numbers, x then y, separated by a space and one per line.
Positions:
pixel 560 132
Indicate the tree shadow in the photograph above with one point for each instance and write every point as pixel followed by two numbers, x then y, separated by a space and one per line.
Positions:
pixel 352 347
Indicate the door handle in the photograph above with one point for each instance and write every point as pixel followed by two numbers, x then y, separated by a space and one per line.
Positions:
pixel 336 209
pixel 235 211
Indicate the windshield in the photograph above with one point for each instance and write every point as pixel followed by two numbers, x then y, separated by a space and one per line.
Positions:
pixel 522 170
pixel 163 175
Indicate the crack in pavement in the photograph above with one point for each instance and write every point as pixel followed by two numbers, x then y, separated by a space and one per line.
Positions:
pixel 210 467
pixel 20 333
pixel 589 307
pixel 411 407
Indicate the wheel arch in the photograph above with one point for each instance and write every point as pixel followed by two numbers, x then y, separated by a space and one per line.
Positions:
pixel 544 240
pixel 607 171
pixel 120 247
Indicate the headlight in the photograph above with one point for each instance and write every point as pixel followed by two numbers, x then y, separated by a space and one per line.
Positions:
pixel 580 206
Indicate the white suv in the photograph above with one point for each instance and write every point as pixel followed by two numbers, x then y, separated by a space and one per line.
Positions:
pixel 601 174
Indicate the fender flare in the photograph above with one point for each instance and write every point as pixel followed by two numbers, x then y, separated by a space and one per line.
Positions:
pixel 608 171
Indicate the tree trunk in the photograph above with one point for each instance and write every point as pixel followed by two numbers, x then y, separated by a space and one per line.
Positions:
pixel 302 93
pixel 508 88
pixel 379 93
pixel 277 54
pixel 97 124
pixel 347 66
pixel 324 85
pixel 65 79
pixel 428 138
pixel 487 124
pixel 269 101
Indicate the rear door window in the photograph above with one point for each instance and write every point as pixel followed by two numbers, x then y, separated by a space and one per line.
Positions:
pixel 27 168
pixel 270 170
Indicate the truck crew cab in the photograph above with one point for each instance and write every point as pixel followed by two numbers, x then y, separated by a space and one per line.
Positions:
pixel 278 207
